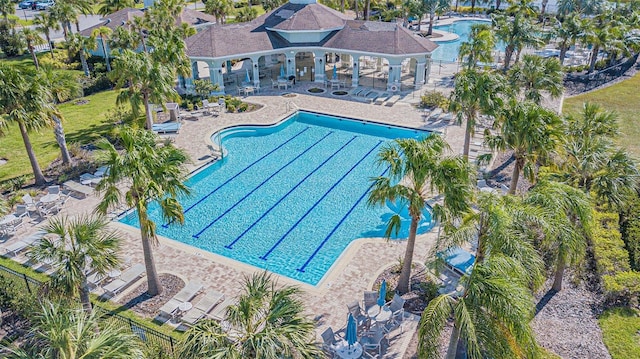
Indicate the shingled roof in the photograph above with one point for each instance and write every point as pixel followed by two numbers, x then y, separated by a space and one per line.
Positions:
pixel 257 35
pixel 122 17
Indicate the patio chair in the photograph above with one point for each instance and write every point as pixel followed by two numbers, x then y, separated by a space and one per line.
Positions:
pixel 126 279
pixel 274 84
pixel 362 320
pixel 14 223
pixel 94 279
pixel 397 310
pixel 168 127
pixel 29 202
pixel 204 306
pixel 101 171
pixel 169 308
pixel 370 299
pixel 90 179
pixel 48 209
pixel 220 311
pixel 329 341
pixel 79 188
pixel 53 190
pixel 373 341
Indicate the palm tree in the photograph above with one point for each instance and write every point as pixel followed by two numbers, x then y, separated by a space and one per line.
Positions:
pixel 110 6
pixel 420 170
pixel 569 212
pixel 432 7
pixel 478 47
pixel 475 93
pixel 531 131
pixel 246 14
pixel 491 317
pixel 536 74
pixel 77 247
pixel 218 8
pixel 103 33
pixel 591 161
pixel 146 82
pixel 568 32
pixel 45 22
pixel 64 13
pixel 155 173
pixel 69 333
pixel 78 44
pixel 33 39
pixel 516 30
pixel 24 100
pixel 7 7
pixel 268 323
pixel 63 86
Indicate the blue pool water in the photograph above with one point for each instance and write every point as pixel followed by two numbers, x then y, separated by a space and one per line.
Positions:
pixel 290 197
pixel 447 51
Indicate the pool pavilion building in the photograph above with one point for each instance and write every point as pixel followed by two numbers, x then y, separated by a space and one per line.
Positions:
pixel 307 40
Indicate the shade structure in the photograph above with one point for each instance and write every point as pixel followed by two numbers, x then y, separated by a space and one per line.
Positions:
pixel 247 79
pixel 335 72
pixel 351 335
pixel 383 293
pixel 281 71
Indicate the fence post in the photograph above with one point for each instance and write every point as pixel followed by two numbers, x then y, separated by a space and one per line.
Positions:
pixel 24 276
pixel 171 342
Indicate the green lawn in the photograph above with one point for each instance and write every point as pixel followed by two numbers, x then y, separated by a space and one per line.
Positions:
pixel 620 328
pixel 83 124
pixel 622 98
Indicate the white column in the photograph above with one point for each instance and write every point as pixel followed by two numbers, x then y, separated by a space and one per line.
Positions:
pixel 355 75
pixel 256 71
pixel 291 63
pixel 215 74
pixel 427 72
pixel 319 66
pixel 395 71
pixel 420 72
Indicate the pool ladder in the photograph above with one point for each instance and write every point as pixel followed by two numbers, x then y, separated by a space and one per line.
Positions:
pixel 290 106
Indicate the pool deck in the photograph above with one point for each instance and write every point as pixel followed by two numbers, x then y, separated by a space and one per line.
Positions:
pixel 359 265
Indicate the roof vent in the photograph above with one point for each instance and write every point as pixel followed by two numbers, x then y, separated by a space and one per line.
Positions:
pixel 285 14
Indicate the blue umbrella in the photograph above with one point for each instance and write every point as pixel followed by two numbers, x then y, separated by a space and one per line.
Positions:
pixel 281 71
pixel 352 331
pixel 335 72
pixel 247 79
pixel 383 293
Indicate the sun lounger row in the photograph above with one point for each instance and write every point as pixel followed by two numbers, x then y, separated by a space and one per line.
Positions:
pixel 203 307
pixel 14 248
pixel 126 279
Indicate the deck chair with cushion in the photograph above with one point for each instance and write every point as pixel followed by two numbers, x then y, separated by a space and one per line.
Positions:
pixel 220 312
pixel 16 247
pixel 168 127
pixel 203 307
pixel 184 295
pixel 126 279
pixel 79 188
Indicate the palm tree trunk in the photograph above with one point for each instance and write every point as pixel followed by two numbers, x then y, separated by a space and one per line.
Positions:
pixel 518 56
pixel 452 350
pixel 104 51
pixel 563 53
pixel 147 112
pixel 498 2
pixel 557 282
pixel 594 58
pixel 515 176
pixel 405 274
pixel 508 52
pixel 85 66
pixel 430 30
pixel 37 172
pixel 50 45
pixel 153 282
pixel 543 7
pixel 356 8
pixel 473 5
pixel 456 10
pixel 342 6
pixel 33 56
pixel 467 137
pixel 58 130
pixel 84 296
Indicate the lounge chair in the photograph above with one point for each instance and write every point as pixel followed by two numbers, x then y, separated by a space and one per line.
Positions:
pixel 204 306
pixel 357 91
pixel 220 311
pixel 94 280
pixel 90 179
pixel 188 292
pixel 79 188
pixel 167 127
pixel 458 260
pixel 18 246
pixel 392 100
pixel 126 279
pixel 169 307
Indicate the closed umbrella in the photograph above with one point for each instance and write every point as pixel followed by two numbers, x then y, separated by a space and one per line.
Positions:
pixel 352 331
pixel 383 293
pixel 281 71
pixel 335 72
pixel 247 79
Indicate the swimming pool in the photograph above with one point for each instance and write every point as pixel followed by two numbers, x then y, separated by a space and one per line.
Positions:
pixel 447 51
pixel 290 197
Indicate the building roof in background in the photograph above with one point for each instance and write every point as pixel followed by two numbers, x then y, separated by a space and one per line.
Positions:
pixel 304 17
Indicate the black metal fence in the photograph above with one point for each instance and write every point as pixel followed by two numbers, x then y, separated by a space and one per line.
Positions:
pixel 576 84
pixel 148 335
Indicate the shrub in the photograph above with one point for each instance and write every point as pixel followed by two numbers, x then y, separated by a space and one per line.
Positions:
pixel 243 107
pixel 58 62
pixel 429 290
pixel 630 229
pixel 11 42
pixel 231 108
pixel 433 99
pixel 91 85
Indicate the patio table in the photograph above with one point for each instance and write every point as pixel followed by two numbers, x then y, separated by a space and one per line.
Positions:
pixel 49 198
pixel 380 315
pixel 345 351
